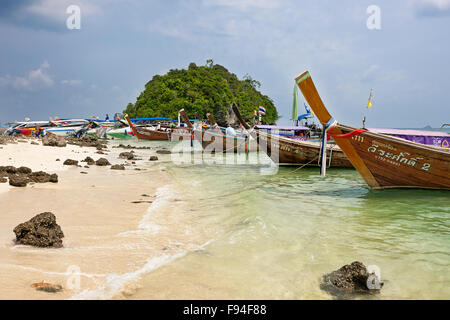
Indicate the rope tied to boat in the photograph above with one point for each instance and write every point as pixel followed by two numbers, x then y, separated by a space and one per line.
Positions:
pixel 323 146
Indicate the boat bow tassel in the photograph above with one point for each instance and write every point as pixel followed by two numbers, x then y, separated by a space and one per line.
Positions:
pixel 346 135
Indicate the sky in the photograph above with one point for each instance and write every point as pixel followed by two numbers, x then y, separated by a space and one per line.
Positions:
pixel 47 69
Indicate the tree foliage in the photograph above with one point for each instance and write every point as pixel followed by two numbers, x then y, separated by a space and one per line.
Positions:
pixel 210 88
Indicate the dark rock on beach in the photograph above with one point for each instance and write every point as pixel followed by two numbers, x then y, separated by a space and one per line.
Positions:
pixel 163 151
pixel 3 180
pixel 118 167
pixel 40 231
pixel 102 162
pixel 70 162
pixel 18 181
pixel 351 278
pixel 19 177
pixel 43 177
pixel 8 169
pixel 153 158
pixel 86 141
pixel 131 147
pixel 52 140
pixel 47 287
pixel 89 161
pixel 24 170
pixel 126 155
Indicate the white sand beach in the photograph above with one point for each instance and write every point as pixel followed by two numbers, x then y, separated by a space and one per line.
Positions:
pixel 109 240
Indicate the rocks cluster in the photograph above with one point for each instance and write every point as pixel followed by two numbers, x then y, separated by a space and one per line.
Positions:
pixel 40 231
pixel 163 151
pixel 8 139
pixel 86 141
pixel 20 177
pixel 131 147
pixel 102 162
pixel 52 140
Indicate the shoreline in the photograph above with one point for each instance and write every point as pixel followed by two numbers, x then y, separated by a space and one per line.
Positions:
pixel 112 221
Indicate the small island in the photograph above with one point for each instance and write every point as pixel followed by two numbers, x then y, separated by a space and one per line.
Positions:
pixel 210 88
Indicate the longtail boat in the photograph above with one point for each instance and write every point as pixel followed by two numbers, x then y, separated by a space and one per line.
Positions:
pixel 287 151
pixel 214 139
pixel 163 134
pixel 383 161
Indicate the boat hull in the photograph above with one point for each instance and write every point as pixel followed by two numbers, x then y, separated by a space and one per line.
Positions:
pixel 146 134
pixel 285 151
pixel 388 162
pixel 214 141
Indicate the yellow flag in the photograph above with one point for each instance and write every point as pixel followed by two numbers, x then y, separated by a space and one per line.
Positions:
pixel 369 104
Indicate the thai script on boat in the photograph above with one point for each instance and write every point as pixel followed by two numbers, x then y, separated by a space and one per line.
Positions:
pixel 396 159
pixel 384 145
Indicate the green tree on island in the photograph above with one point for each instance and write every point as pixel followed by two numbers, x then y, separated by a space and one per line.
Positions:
pixel 210 88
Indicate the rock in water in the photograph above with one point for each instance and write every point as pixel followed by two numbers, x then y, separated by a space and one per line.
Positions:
pixel 118 167
pixel 102 162
pixel 41 231
pixel 153 158
pixel 351 278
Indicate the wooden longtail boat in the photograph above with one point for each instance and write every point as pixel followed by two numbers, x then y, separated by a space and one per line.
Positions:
pixel 383 161
pixel 174 134
pixel 286 151
pixel 215 140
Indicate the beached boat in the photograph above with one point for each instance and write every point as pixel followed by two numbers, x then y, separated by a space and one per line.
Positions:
pixel 287 151
pixel 160 133
pixel 58 127
pixel 383 161
pixel 215 139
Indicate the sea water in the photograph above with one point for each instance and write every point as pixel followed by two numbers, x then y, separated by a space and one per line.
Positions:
pixel 274 234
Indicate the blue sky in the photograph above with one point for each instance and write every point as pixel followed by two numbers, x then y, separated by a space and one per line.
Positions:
pixel 49 70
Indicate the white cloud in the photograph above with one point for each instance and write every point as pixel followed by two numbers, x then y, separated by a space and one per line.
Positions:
pixel 56 9
pixel 431 8
pixel 243 4
pixel 34 80
pixel 71 82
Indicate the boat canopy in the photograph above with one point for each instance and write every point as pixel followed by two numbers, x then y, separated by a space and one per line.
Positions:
pixel 410 132
pixel 432 138
pixel 282 128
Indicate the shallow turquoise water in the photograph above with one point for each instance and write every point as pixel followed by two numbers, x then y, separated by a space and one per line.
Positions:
pixel 274 236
